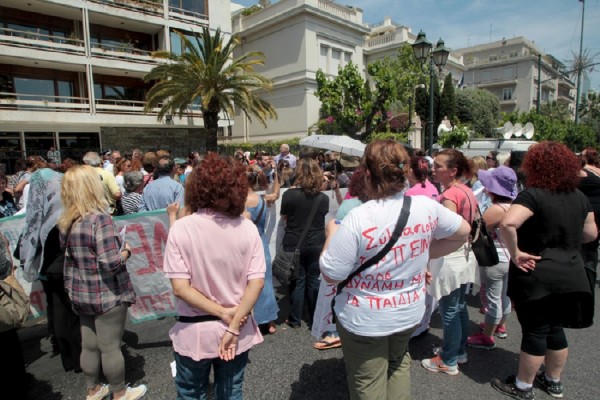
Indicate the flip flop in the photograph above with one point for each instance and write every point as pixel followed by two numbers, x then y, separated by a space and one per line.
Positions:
pixel 325 345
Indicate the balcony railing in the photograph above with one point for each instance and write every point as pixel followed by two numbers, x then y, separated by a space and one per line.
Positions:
pixel 119 106
pixel 122 52
pixel 38 102
pixel 151 7
pixel 28 39
pixel 341 11
pixel 183 15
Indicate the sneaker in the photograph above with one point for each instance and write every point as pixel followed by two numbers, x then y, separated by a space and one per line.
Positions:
pixel 500 332
pixel 134 393
pixel 554 389
pixel 480 341
pixel 462 359
pixel 509 388
pixel 436 364
pixel 102 393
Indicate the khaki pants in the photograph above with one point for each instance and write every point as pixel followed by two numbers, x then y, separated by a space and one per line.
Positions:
pixel 377 368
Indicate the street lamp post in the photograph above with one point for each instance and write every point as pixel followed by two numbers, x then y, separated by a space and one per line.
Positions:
pixel 438 57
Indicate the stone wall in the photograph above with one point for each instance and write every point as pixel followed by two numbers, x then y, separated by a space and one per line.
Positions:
pixel 179 141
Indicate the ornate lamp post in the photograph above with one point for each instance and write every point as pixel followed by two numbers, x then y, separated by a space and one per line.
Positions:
pixel 438 57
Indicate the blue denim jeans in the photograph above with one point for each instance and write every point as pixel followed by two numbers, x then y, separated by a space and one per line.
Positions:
pixel 455 318
pixel 192 376
pixel 306 285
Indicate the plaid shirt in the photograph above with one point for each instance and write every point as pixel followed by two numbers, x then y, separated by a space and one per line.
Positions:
pixel 96 278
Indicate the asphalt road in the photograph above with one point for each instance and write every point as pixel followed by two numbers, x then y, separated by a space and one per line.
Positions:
pixel 286 366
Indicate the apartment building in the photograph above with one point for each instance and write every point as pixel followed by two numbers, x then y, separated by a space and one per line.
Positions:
pixel 71 74
pixel 509 69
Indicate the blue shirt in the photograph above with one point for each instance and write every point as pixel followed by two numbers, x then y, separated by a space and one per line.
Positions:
pixel 160 193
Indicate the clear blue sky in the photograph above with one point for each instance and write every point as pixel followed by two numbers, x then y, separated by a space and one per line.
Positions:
pixel 554 25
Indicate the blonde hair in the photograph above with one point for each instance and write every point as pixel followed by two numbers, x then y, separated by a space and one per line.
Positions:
pixel 81 193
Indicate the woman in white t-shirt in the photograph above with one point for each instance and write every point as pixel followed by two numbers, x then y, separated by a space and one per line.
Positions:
pixel 381 307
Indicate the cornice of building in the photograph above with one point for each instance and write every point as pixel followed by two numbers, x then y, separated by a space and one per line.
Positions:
pixel 294 9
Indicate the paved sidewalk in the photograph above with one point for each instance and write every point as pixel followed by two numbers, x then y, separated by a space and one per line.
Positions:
pixel 286 366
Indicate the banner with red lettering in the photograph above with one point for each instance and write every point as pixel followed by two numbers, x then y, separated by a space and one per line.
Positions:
pixel 146 234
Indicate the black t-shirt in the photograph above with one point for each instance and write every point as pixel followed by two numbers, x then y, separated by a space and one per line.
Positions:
pixel 296 205
pixel 554 232
pixel 590 186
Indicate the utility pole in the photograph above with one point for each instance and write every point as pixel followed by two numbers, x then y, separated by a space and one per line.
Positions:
pixel 539 94
pixel 580 64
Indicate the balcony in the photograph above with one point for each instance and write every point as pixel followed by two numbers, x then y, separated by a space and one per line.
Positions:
pixel 495 82
pixel 118 106
pixel 36 102
pixel 29 40
pixel 125 52
pixel 186 16
pixel 149 7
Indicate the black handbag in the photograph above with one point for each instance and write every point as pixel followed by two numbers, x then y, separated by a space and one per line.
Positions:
pixel 400 225
pixel 482 243
pixel 285 264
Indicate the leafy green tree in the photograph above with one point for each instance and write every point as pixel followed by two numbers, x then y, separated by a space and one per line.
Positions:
pixel 448 99
pixel 479 109
pixel 455 138
pixel 344 101
pixel 207 75
pixel 556 110
pixel 590 106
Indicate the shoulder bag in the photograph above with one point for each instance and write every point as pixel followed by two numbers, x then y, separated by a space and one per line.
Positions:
pixel 14 302
pixel 285 264
pixel 482 242
pixel 402 220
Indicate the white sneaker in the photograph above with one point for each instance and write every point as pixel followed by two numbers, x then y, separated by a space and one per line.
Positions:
pixel 134 393
pixel 461 359
pixel 102 393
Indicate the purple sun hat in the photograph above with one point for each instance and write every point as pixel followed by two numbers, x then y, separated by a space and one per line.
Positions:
pixel 501 181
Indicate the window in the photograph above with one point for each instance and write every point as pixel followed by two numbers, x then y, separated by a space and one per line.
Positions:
pixel 34 89
pixel 194 6
pixel 323 58
pixel 39 143
pixel 76 144
pixel 177 44
pixel 509 73
pixel 507 94
pixel 336 56
pixel 347 58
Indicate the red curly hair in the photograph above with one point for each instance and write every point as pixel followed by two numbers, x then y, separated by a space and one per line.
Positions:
pixel 551 166
pixel 219 184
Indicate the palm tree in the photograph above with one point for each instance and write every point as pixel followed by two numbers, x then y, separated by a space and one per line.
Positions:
pixel 208 75
pixel 590 106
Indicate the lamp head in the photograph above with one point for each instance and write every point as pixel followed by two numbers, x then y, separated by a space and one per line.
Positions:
pixel 440 54
pixel 421 47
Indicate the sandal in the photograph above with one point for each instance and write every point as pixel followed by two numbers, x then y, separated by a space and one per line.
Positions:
pixel 272 328
pixel 325 344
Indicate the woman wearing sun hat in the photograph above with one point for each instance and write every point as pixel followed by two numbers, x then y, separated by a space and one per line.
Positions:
pixel 500 185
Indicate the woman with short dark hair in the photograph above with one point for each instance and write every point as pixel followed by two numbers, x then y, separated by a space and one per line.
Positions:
pixel 543 231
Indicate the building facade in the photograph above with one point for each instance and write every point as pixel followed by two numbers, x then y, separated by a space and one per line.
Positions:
pixel 509 69
pixel 299 37
pixel 71 74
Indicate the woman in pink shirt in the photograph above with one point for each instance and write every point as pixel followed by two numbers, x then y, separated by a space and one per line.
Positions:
pixel 417 177
pixel 216 280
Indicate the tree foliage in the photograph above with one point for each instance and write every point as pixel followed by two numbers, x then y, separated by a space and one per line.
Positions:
pixel 349 104
pixel 448 99
pixel 479 109
pixel 208 75
pixel 454 138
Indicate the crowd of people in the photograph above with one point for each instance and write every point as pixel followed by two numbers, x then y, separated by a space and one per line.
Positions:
pixel 366 281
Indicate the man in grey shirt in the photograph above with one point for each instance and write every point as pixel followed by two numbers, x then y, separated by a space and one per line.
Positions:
pixel 163 190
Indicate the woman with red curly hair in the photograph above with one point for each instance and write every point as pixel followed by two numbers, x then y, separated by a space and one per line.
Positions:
pixel 543 231
pixel 215 279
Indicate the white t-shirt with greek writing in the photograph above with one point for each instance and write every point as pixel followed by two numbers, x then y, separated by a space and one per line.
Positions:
pixel 388 297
